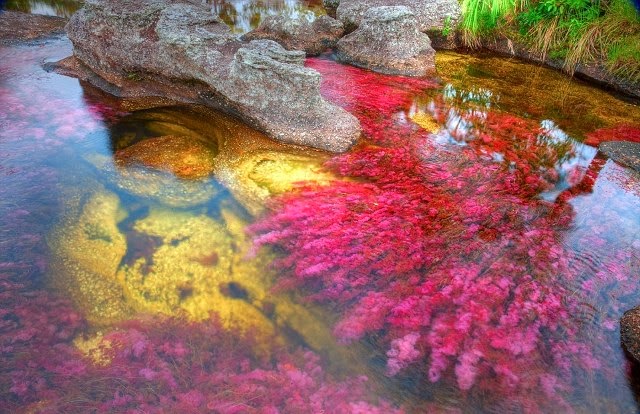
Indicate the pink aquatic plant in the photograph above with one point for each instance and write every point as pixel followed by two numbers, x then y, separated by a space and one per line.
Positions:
pixel 444 255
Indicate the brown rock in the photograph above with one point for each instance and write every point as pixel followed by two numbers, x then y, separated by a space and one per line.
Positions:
pixel 388 41
pixel 630 331
pixel 182 156
pixel 299 33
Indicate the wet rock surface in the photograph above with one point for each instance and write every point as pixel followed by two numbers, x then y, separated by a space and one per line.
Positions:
pixel 179 51
pixel 299 33
pixel 389 41
pixel 430 14
pixel 181 156
pixel 630 331
pixel 623 152
pixel 16 26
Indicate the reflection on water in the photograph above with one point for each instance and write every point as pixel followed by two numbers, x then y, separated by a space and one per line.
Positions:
pixel 471 254
pixel 245 15
pixel 240 15
pixel 61 8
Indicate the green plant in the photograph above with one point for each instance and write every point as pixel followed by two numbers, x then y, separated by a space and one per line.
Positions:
pixel 446 27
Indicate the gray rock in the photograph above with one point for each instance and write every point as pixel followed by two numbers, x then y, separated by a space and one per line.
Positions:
pixel 314 37
pixel 430 14
pixel 388 41
pixel 624 152
pixel 179 50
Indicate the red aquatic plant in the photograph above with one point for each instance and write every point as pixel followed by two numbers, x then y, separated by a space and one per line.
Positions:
pixel 442 254
pixel 623 132
pixel 374 98
pixel 158 366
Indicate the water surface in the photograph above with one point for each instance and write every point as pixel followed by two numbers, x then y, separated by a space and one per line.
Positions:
pixel 470 254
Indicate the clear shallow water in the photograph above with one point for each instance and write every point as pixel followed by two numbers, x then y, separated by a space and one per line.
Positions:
pixel 470 254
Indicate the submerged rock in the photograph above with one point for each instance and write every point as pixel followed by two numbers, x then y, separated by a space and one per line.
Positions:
pixel 178 50
pixel 623 152
pixel 87 248
pixel 298 33
pixel 160 186
pixel 430 14
pixel 181 156
pixel 388 41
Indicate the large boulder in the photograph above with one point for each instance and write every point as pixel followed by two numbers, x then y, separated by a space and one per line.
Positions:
pixel 389 41
pixel 430 14
pixel 298 33
pixel 179 50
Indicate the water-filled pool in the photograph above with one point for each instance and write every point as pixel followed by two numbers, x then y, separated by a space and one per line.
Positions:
pixel 470 254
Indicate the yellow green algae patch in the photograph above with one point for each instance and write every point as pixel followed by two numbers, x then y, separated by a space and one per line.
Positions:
pixel 192 271
pixel 87 249
pixel 424 120
pixel 576 106
pixel 201 266
pixel 182 156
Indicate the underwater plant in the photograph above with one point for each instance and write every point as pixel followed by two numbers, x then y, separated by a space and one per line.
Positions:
pixel 444 256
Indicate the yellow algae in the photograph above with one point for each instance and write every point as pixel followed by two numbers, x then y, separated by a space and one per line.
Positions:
pixel 425 121
pixel 87 249
pixel 183 156
pixel 94 347
pixel 191 272
pixel 576 106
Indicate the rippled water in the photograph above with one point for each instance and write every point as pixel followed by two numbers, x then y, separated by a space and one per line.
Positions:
pixel 470 254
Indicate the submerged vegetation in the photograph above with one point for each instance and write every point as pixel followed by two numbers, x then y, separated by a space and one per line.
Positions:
pixel 576 31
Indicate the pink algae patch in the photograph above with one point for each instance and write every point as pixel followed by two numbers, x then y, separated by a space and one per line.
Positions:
pixel 446 257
